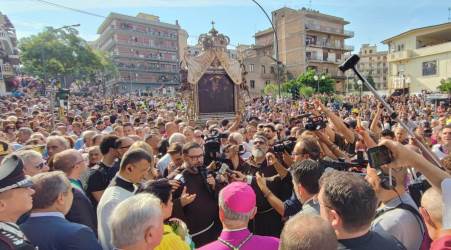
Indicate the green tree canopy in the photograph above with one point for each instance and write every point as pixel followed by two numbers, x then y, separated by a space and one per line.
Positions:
pixel 445 85
pixel 307 79
pixel 61 52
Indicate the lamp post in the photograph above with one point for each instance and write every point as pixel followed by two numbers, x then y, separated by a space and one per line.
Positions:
pixel 360 83
pixel 52 89
pixel 276 44
pixel 317 78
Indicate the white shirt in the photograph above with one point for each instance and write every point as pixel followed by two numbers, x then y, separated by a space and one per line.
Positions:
pixel 439 153
pixel 112 196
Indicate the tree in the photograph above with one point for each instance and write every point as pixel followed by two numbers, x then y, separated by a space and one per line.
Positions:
pixel 271 89
pixel 445 85
pixel 371 81
pixel 307 91
pixel 60 52
pixel 307 79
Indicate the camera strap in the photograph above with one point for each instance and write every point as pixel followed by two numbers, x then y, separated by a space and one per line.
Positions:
pixel 425 239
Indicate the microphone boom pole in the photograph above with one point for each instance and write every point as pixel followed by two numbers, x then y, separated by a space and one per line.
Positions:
pixel 350 63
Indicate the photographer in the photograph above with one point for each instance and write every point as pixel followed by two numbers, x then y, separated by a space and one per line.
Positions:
pixel 201 215
pixel 397 214
pixel 301 173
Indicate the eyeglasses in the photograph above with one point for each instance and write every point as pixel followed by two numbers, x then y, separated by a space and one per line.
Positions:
pixel 40 165
pixel 196 157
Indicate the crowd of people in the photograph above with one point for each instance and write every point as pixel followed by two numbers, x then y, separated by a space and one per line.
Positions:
pixel 135 173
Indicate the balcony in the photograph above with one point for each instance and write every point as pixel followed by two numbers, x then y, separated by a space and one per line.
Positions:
pixel 142 57
pixel 399 56
pixel 329 30
pixel 318 59
pixel 7 70
pixel 330 46
pixel 267 76
pixel 144 45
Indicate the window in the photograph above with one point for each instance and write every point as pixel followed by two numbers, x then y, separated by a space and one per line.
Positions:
pixel 430 68
pixel 267 82
pixel 251 67
pixel 263 69
pixel 252 84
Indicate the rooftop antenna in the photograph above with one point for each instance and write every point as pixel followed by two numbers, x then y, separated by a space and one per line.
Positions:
pixel 449 14
pixel 310 4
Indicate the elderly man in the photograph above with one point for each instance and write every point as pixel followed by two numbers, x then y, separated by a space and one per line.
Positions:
pixel 308 232
pixel 33 163
pixel 134 167
pixel 163 163
pixel 237 205
pixel 56 144
pixel 432 210
pixel 137 223
pixel 47 228
pixel 15 200
pixel 71 162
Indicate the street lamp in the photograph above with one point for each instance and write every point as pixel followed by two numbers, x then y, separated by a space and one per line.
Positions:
pixel 316 77
pixel 360 83
pixel 276 43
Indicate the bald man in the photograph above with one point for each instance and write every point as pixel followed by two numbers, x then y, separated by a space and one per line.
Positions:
pixel 432 212
pixel 308 232
pixel 82 211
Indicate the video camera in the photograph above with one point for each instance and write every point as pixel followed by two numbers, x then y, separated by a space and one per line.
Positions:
pixel 315 123
pixel 342 165
pixel 212 146
pixel 286 145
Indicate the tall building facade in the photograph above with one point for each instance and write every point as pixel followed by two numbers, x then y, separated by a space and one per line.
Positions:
pixel 145 50
pixel 373 65
pixel 419 58
pixel 9 54
pixel 306 39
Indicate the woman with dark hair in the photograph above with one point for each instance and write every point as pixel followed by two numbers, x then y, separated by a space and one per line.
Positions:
pixel 175 235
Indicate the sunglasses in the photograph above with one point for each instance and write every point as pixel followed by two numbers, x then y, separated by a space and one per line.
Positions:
pixel 40 165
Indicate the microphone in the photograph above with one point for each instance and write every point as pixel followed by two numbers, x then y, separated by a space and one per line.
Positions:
pixel 349 63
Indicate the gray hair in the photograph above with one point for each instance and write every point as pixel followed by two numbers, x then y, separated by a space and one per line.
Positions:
pixel 308 232
pixel 132 217
pixel 27 156
pixel 60 139
pixel 88 134
pixel 48 186
pixel 236 138
pixel 232 215
pixel 177 138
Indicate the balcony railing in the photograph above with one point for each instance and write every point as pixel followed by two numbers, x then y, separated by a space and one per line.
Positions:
pixel 400 55
pixel 322 60
pixel 144 45
pixel 331 46
pixel 331 30
pixel 7 70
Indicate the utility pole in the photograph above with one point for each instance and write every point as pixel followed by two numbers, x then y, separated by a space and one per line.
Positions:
pixel 276 45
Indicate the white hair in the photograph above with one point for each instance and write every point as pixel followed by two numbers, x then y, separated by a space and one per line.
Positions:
pixel 60 139
pixel 177 138
pixel 132 217
pixel 236 137
pixel 27 156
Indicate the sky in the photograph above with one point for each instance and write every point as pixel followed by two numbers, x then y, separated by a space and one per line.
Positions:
pixel 372 20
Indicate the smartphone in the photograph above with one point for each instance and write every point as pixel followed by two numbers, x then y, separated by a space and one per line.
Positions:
pixel 180 178
pixel 379 156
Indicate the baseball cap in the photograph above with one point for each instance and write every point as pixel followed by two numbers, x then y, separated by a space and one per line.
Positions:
pixel 12 175
pixel 239 197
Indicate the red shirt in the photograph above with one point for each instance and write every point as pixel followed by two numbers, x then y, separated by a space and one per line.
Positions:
pixel 442 243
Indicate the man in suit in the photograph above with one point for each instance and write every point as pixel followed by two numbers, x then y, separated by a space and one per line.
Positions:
pixel 237 205
pixel 47 228
pixel 134 167
pixel 71 162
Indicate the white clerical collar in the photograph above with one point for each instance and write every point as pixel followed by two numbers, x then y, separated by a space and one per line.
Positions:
pixel 44 214
pixel 234 230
